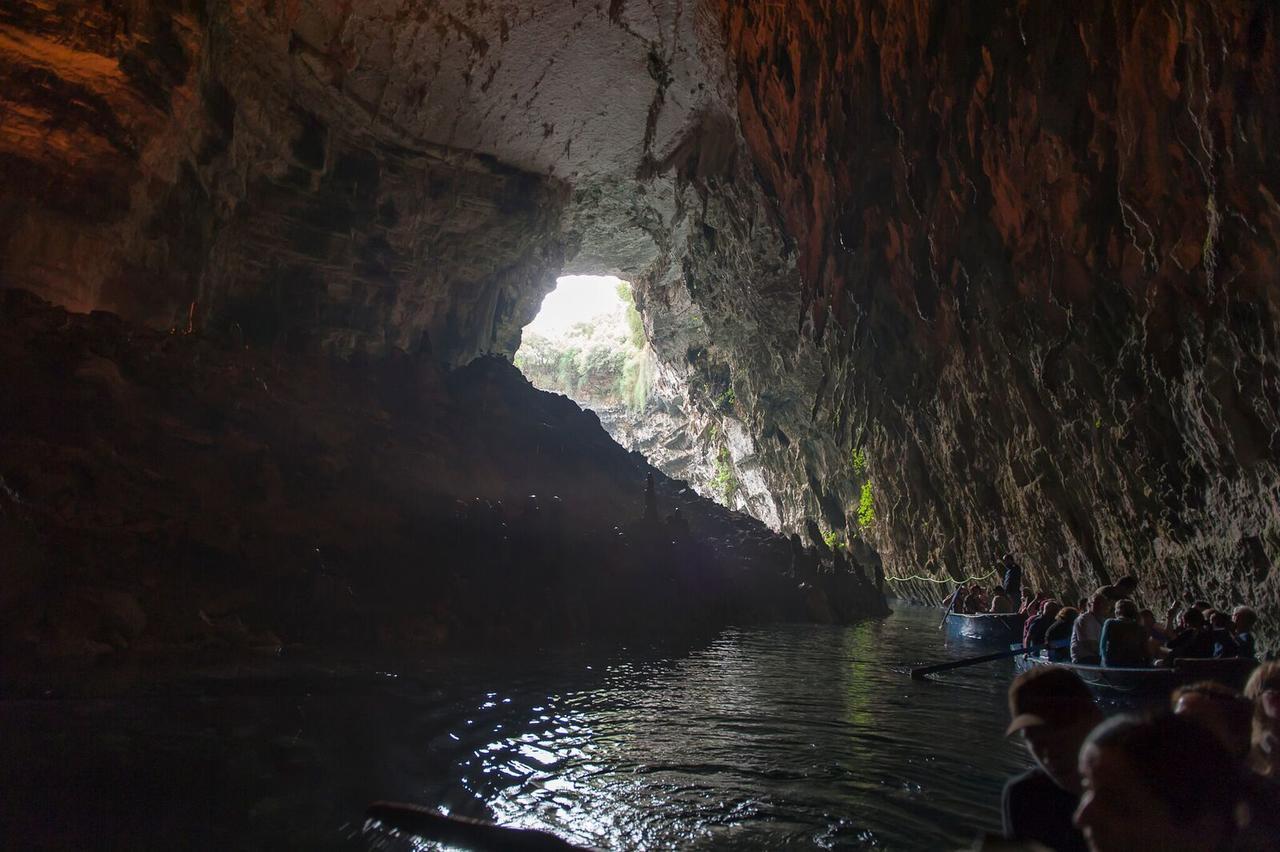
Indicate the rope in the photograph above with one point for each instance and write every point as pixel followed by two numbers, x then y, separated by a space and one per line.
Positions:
pixel 947 582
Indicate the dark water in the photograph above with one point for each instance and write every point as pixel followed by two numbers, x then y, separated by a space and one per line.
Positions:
pixel 791 735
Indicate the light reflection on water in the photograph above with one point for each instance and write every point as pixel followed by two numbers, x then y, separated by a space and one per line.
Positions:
pixel 780 735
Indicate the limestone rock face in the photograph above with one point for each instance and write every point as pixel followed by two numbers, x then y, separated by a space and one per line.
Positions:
pixel 1037 248
pixel 948 278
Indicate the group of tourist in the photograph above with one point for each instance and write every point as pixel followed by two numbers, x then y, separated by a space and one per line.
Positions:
pixel 1109 629
pixel 997 599
pixel 1202 775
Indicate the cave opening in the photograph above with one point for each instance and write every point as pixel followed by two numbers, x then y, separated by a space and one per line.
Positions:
pixel 588 342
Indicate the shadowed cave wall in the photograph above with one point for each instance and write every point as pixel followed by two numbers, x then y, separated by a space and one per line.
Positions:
pixel 1011 265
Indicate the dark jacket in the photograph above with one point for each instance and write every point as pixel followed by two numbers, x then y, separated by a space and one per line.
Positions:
pixel 1035 808
pixel 1037 627
pixel 1124 643
pixel 1191 644
pixel 1059 632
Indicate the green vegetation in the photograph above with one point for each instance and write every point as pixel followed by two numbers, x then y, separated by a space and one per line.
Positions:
pixel 834 540
pixel 866 506
pixel 727 400
pixel 726 479
pixel 635 323
pixel 604 361
pixel 859 460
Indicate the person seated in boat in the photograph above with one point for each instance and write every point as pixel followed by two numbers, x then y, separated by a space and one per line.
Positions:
pixel 1058 634
pixel 1162 782
pixel 1030 603
pixel 1221 709
pixel 1243 618
pixel 977 600
pixel 1157 636
pixel 1155 630
pixel 1224 640
pixel 1053 711
pixel 1193 639
pixel 1087 632
pixel 1263 689
pixel 954 602
pixel 1000 601
pixel 1033 604
pixel 1123 641
pixel 1038 625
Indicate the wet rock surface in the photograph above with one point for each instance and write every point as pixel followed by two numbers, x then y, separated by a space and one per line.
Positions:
pixel 1037 249
pixel 943 279
pixel 167 493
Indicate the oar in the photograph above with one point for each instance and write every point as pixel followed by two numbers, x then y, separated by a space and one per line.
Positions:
pixel 460 831
pixel 920 672
pixel 950 607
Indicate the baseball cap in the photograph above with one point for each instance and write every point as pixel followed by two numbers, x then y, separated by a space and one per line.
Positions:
pixel 1048 695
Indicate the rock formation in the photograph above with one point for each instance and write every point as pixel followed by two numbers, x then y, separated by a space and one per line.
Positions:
pixel 165 493
pixel 948 278
pixel 1037 246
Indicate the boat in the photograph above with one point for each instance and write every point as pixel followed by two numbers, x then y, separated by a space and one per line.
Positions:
pixel 990 628
pixel 1151 681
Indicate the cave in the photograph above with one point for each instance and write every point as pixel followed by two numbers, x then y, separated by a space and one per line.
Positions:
pixel 911 288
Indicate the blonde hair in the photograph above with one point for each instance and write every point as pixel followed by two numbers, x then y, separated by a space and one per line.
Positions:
pixel 1264 678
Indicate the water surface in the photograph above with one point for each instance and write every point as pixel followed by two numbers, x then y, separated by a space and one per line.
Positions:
pixel 785 735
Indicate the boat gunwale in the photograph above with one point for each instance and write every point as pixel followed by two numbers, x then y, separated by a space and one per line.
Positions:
pixel 1122 680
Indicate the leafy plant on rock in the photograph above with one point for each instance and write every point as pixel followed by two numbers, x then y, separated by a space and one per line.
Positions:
pixel 725 480
pixel 866 506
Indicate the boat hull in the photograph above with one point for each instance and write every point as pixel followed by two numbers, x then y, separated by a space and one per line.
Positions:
pixel 1002 629
pixel 1118 682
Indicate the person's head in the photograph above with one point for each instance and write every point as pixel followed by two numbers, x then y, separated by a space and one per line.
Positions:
pixel 1053 711
pixel 1219 620
pixel 1068 614
pixel 1221 709
pixel 1243 618
pixel 1202 605
pixel 1126 609
pixel 1127 585
pixel 1099 603
pixel 1147 618
pixel 997 590
pixel 1156 783
pixel 1051 609
pixel 1263 689
pixel 1192 618
pixel 1109 592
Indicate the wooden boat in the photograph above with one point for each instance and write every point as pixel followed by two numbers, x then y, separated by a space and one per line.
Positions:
pixel 1152 682
pixel 987 628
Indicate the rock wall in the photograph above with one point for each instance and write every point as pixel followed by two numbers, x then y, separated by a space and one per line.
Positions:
pixel 950 278
pixel 168 494
pixel 1037 249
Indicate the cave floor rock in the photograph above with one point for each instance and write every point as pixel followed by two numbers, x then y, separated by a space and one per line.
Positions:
pixel 167 493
